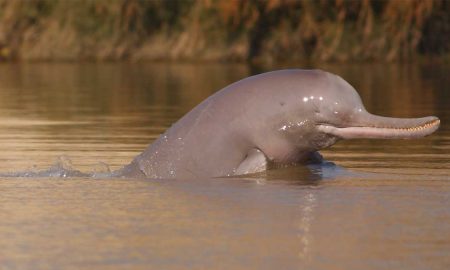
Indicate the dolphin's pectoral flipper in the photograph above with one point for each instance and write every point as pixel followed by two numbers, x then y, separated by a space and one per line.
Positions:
pixel 254 162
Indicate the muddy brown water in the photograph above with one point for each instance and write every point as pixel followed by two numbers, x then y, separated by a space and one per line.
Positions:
pixel 387 205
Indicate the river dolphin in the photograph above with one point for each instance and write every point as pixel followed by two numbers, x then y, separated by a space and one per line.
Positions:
pixel 278 118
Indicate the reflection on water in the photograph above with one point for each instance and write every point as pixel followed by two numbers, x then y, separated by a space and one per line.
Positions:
pixel 384 206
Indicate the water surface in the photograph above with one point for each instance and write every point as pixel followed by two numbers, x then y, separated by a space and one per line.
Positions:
pixel 388 209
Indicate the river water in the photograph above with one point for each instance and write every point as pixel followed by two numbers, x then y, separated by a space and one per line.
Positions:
pixel 385 206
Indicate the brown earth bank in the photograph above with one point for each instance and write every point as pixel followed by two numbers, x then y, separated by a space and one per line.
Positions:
pixel 225 30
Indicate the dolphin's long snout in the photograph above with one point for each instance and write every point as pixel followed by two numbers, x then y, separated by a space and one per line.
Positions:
pixel 378 127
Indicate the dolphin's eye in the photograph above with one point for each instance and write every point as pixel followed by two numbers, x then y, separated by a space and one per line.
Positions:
pixel 316 109
pixel 315 106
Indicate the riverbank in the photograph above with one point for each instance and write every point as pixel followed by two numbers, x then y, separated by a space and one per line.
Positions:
pixel 256 31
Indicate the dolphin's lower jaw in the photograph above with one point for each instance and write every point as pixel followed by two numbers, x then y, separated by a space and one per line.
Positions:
pixel 423 127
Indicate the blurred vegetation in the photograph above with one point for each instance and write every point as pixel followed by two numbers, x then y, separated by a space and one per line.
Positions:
pixel 225 30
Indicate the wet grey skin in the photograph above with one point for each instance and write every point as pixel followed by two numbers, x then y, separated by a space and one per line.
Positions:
pixel 278 118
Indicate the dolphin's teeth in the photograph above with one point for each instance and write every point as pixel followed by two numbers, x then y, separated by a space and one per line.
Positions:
pixel 416 128
pixel 422 127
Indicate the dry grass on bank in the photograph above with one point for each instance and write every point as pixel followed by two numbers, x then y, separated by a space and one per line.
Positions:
pixel 225 30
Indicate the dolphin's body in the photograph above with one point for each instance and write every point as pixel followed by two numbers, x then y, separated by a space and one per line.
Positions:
pixel 276 118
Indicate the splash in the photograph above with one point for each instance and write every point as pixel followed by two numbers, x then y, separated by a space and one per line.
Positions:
pixel 63 168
